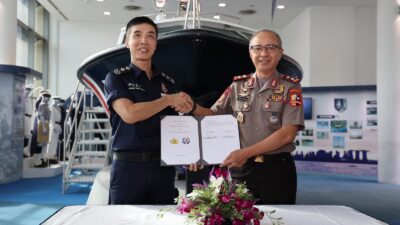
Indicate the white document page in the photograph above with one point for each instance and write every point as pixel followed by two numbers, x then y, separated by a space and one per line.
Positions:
pixel 220 136
pixel 179 140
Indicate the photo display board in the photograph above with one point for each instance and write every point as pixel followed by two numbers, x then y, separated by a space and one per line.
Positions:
pixel 341 136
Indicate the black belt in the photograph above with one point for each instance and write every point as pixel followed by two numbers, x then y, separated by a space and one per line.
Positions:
pixel 276 157
pixel 137 156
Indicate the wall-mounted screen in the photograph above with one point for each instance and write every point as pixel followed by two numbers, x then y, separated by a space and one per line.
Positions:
pixel 307 104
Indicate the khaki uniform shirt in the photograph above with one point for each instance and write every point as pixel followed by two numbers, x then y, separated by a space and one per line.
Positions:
pixel 262 111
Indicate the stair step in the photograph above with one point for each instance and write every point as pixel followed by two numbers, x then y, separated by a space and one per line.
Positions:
pixel 96 131
pixel 92 166
pixel 98 120
pixel 91 153
pixel 93 142
pixel 95 110
pixel 80 179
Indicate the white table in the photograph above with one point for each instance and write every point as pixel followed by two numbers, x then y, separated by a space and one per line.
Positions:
pixel 147 215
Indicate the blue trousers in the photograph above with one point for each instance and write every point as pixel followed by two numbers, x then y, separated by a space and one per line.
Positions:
pixel 141 183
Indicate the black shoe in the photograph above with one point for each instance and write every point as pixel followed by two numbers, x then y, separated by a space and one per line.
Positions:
pixel 42 165
pixel 53 161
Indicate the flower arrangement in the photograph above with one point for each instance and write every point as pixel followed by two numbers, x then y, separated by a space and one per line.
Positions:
pixel 221 201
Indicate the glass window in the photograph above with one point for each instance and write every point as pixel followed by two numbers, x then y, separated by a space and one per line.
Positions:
pixel 32 37
pixel 38 56
pixel 22 48
pixel 39 19
pixel 23 11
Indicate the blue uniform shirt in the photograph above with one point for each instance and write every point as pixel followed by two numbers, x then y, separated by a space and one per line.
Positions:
pixel 132 83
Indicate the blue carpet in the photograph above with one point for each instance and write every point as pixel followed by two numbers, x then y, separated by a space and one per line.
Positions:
pixel 31 201
pixel 43 191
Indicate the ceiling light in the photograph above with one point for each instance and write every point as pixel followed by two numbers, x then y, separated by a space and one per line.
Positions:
pixel 217 17
pixel 280 6
pixel 106 13
pixel 100 0
pixel 222 4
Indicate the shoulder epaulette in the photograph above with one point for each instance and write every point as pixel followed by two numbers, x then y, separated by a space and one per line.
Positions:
pixel 241 77
pixel 168 78
pixel 290 78
pixel 121 70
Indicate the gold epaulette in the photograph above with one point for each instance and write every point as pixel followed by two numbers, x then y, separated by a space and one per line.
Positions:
pixel 290 78
pixel 241 77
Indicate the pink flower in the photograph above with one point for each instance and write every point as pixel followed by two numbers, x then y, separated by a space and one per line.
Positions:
pixel 247 204
pixel 248 215
pixel 237 222
pixel 220 172
pixel 256 222
pixel 184 207
pixel 239 203
pixel 225 198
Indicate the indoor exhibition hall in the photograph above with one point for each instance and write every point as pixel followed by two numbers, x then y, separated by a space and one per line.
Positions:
pixel 228 112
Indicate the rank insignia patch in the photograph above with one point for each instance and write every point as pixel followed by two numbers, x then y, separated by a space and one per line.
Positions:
pixel 295 97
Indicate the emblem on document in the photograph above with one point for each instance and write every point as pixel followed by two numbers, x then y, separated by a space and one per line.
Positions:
pixel 174 141
pixel 185 140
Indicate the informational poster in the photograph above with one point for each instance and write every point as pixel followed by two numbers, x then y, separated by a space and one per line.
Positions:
pixel 201 140
pixel 341 136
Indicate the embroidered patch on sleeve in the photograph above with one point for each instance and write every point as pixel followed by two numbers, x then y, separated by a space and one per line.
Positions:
pixel 295 97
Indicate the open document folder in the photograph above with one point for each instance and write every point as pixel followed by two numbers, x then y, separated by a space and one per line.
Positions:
pixel 203 140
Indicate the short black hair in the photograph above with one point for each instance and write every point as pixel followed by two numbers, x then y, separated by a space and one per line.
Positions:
pixel 140 20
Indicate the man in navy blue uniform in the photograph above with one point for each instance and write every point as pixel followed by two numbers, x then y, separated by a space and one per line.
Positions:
pixel 137 96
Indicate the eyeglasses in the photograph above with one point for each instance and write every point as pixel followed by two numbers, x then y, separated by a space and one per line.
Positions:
pixel 270 48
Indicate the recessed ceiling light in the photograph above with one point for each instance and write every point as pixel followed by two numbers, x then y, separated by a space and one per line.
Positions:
pixel 106 13
pixel 217 17
pixel 100 0
pixel 280 6
pixel 222 4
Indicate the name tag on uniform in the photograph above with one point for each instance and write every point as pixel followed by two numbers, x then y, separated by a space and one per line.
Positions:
pixel 133 86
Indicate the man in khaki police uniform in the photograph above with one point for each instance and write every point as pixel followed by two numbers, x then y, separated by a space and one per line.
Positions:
pixel 268 108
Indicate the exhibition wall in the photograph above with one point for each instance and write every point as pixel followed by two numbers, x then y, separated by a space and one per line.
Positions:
pixel 340 132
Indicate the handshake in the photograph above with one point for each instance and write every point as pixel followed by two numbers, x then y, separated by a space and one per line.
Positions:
pixel 181 102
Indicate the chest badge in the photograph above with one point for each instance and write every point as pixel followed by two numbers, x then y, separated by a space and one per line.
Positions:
pixel 267 105
pixel 274 119
pixel 243 94
pixel 280 90
pixel 240 117
pixel 245 105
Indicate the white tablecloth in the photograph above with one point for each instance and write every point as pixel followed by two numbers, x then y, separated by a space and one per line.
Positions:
pixel 147 215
